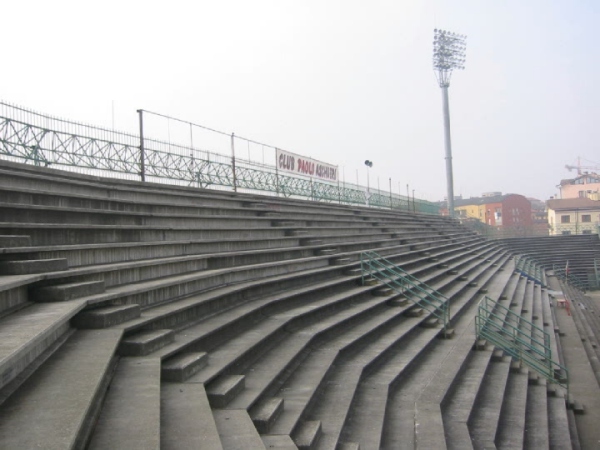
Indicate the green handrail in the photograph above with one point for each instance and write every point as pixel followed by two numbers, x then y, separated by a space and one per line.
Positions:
pixel 530 268
pixel 524 342
pixel 375 266
pixel 573 280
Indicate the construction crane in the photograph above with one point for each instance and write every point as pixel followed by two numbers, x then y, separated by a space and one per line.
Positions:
pixel 579 167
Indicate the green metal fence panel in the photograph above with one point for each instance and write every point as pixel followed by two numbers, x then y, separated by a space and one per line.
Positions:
pixel 42 140
pixel 521 339
pixel 375 266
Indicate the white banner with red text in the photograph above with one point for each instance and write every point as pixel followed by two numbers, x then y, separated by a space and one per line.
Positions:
pixel 300 165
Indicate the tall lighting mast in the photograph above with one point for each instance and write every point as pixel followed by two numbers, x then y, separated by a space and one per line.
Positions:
pixel 449 50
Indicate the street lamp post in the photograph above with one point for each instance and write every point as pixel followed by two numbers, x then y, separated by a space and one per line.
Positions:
pixel 369 164
pixel 449 50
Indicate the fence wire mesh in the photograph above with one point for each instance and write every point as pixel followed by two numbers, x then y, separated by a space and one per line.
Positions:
pixel 177 152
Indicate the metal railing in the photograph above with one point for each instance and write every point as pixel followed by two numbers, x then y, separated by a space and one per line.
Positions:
pixel 203 161
pixel 374 266
pixel 519 338
pixel 568 277
pixel 530 268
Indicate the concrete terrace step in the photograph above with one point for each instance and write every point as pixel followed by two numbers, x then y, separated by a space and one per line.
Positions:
pixel 145 342
pixel 483 422
pixel 68 291
pixel 27 333
pixel 267 370
pixel 187 420
pixel 24 213
pixel 285 391
pixel 458 405
pixel 63 397
pixel 14 241
pixel 32 266
pixel 373 403
pixel 236 430
pixel 265 414
pixel 130 415
pixel 511 424
pixel 155 291
pixel 183 366
pixel 223 390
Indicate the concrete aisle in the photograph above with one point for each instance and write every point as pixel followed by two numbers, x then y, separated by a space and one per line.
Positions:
pixel 583 385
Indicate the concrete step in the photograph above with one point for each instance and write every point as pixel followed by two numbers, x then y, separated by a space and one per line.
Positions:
pixel 107 316
pixel 485 415
pixel 279 441
pixel 415 311
pixel 326 251
pixel 348 446
pixel 27 267
pixel 511 424
pixel 399 300
pixel 269 214
pixel 130 416
pixel 29 332
pixel 8 241
pixel 340 261
pixel 383 292
pixel 310 242
pixel 447 333
pixel 369 281
pixel 295 233
pixel 307 435
pixel 64 292
pixel 236 430
pixel 498 355
pixel 224 389
pixel 431 322
pixel 183 366
pixel 63 396
pixel 536 419
pixel 186 420
pixel 284 223
pixel 266 413
pixel 458 406
pixel 145 342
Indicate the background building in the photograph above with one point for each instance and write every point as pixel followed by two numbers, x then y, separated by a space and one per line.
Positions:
pixel 574 215
pixel 583 186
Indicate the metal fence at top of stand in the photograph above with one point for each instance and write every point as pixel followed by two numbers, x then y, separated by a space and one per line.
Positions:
pixel 173 151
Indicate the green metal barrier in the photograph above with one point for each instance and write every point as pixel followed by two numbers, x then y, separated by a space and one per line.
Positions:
pixel 567 277
pixel 519 338
pixel 374 266
pixel 531 269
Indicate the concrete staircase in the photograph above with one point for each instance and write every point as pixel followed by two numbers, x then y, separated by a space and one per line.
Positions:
pixel 149 316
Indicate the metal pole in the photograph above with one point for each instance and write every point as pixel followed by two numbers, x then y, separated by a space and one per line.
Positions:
pixel 449 180
pixel 276 174
pixel 391 205
pixel 233 163
pixel 368 187
pixel 142 150
pixel 414 208
pixel 407 198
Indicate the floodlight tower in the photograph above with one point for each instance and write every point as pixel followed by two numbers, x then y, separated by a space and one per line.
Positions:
pixel 449 50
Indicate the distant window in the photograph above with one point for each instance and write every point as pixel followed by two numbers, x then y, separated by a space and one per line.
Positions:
pixel 586 218
pixel 565 219
pixel 582 194
pixel 565 232
pixel 586 232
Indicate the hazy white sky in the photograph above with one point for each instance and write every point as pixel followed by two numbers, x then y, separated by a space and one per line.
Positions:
pixel 339 80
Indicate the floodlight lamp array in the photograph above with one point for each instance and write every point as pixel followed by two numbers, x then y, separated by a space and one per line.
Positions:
pixel 449 52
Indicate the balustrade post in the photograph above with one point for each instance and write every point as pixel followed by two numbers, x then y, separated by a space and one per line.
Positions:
pixel 142 150
pixel 233 162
